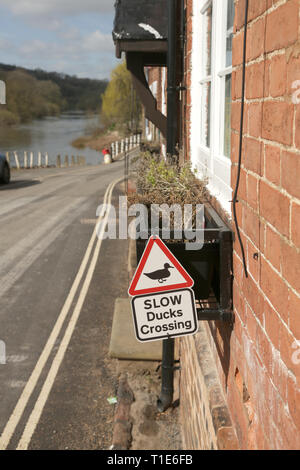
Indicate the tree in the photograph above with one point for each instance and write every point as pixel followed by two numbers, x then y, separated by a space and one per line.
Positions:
pixel 29 98
pixel 120 107
pixel 36 93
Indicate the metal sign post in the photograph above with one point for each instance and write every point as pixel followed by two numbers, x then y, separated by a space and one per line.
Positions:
pixel 163 306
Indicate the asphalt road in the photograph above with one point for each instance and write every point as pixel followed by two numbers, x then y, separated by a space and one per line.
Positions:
pixel 58 285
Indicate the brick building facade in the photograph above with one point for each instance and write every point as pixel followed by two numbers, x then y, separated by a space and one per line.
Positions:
pixel 246 394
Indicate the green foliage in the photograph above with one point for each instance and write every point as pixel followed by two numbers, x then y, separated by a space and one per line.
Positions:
pixel 120 106
pixel 80 143
pixel 7 118
pixel 36 93
pixel 160 182
pixel 28 98
pixel 81 94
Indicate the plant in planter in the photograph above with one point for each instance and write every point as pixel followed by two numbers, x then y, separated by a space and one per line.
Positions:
pixel 160 183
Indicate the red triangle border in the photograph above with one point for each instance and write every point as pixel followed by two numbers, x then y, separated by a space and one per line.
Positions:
pixel 132 288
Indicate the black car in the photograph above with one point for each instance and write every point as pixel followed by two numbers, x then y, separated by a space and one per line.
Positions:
pixel 4 170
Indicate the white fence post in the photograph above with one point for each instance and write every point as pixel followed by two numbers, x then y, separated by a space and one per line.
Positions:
pixel 17 160
pixel 39 160
pixel 25 159
pixel 122 146
pixel 46 160
pixel 31 160
pixel 2 353
pixel 2 92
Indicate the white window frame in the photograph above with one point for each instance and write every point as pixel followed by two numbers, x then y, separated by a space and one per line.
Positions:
pixel 210 162
pixel 205 80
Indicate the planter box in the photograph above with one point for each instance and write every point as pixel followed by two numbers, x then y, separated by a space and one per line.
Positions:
pixel 210 267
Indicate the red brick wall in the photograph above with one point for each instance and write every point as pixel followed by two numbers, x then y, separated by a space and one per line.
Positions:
pixel 206 422
pixel 155 74
pixel 267 304
pixel 257 359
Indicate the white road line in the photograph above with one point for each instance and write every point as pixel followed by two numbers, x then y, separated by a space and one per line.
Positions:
pixel 15 204
pixel 11 197
pixel 19 268
pixel 48 384
pixel 15 417
pixel 38 230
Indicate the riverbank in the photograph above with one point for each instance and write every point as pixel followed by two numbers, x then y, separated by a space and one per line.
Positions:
pixel 52 136
pixel 97 141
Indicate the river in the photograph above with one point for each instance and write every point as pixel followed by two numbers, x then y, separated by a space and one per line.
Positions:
pixel 52 135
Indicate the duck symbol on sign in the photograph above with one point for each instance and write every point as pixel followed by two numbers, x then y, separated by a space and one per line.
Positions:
pixel 160 275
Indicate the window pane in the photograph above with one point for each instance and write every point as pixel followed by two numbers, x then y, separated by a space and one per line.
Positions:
pixel 206 101
pixel 207 41
pixel 227 117
pixel 229 32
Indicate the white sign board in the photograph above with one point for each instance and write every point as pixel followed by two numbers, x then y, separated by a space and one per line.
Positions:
pixel 164 315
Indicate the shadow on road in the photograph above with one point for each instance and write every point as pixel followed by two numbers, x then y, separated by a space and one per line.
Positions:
pixel 18 184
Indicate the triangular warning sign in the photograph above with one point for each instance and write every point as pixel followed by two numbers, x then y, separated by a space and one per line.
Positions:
pixel 158 271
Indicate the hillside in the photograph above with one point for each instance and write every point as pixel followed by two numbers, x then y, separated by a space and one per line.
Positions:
pixel 36 93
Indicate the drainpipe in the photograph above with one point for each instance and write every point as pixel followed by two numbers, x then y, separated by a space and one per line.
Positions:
pixel 167 376
pixel 166 397
pixel 172 85
pixel 235 197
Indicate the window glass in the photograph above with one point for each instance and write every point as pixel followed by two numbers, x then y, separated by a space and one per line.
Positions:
pixel 207 34
pixel 227 78
pixel 207 40
pixel 227 117
pixel 229 32
pixel 206 104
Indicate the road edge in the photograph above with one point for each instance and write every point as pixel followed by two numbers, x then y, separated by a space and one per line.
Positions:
pixel 122 419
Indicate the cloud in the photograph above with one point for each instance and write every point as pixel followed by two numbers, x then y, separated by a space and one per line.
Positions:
pixel 74 45
pixel 98 41
pixel 5 44
pixel 69 36
pixel 44 8
pixel 82 55
pixel 34 47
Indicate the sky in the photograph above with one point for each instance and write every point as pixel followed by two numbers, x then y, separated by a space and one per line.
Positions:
pixel 67 36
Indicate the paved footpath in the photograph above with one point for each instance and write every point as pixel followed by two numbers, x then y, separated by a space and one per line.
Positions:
pixel 58 285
